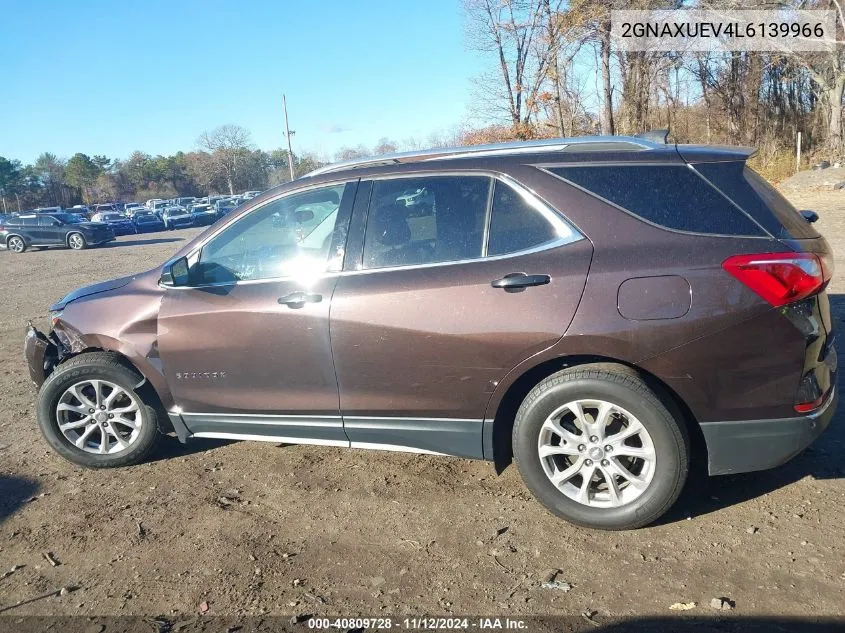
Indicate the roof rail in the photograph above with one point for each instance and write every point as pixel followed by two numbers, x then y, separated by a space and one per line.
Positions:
pixel 579 143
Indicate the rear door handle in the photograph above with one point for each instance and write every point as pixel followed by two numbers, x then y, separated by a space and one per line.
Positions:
pixel 296 300
pixel 513 281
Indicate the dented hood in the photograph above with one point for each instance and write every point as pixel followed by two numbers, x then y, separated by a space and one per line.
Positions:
pixel 93 289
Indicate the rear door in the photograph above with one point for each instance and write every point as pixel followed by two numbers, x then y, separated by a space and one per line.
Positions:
pixel 49 230
pixel 441 296
pixel 30 229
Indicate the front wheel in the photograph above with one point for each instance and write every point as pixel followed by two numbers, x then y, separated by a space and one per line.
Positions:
pixel 76 241
pixel 91 412
pixel 598 448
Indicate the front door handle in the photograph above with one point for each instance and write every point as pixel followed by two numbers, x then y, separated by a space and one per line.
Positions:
pixel 515 281
pixel 296 300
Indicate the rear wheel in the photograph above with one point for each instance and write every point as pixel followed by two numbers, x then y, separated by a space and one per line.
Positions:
pixel 598 448
pixel 90 410
pixel 77 241
pixel 16 244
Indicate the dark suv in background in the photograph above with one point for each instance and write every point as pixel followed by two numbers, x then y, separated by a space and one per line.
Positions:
pixel 20 231
pixel 602 309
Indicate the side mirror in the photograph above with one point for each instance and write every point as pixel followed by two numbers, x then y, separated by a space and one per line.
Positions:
pixel 176 273
pixel 810 216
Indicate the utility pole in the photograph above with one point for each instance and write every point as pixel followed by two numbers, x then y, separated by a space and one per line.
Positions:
pixel 288 133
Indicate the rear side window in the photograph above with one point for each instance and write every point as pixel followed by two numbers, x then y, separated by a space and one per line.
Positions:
pixel 426 220
pixel 515 225
pixel 671 196
pixel 758 198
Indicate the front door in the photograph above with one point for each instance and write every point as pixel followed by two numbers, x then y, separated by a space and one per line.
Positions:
pixel 452 290
pixel 246 346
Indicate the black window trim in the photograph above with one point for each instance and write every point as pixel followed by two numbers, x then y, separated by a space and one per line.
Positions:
pixel 547 167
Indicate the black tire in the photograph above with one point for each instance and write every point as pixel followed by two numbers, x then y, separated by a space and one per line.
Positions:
pixel 97 366
pixel 16 244
pixel 624 388
pixel 77 241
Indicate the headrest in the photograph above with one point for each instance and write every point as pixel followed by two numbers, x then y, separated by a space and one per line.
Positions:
pixel 390 225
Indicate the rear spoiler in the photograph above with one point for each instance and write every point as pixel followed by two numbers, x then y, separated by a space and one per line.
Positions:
pixel 715 153
pixel 701 153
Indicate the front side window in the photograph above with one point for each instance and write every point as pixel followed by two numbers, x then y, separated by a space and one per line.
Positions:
pixel 415 221
pixel 289 236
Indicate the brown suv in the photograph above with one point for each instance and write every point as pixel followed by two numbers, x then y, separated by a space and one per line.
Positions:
pixel 592 307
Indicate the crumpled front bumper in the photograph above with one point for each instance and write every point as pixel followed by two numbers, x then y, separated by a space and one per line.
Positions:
pixel 41 355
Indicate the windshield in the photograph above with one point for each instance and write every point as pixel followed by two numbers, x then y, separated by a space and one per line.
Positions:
pixel 110 217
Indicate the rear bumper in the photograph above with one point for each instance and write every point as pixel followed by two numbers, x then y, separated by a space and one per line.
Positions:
pixel 748 445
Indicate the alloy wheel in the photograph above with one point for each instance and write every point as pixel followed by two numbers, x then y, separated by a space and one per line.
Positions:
pixel 597 453
pixel 98 416
pixel 16 245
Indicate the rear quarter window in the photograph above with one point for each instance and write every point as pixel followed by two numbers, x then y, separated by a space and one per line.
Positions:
pixel 751 192
pixel 672 196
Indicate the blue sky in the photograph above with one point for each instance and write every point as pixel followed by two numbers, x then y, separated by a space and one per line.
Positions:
pixel 110 77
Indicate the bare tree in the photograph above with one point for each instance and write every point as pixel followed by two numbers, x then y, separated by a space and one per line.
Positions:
pixel 510 29
pixel 229 146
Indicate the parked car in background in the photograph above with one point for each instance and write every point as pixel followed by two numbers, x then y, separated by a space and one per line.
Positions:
pixel 225 206
pixel 251 194
pixel 158 206
pixel 106 208
pixel 81 209
pixel 130 208
pixel 185 202
pixel 19 232
pixel 203 214
pixel 119 223
pixel 176 218
pixel 48 210
pixel 151 203
pixel 146 221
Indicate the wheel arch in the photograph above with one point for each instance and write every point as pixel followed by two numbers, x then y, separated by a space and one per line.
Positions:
pixel 23 237
pixel 69 233
pixel 76 346
pixel 147 388
pixel 498 426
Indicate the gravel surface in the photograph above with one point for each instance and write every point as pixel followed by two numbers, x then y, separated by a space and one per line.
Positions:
pixel 251 528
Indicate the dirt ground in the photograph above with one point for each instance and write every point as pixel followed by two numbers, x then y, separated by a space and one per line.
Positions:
pixel 252 528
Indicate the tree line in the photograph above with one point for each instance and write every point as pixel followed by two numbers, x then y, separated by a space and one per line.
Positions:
pixel 556 71
pixel 226 161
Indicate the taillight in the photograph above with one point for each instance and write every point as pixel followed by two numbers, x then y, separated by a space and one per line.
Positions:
pixel 781 278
